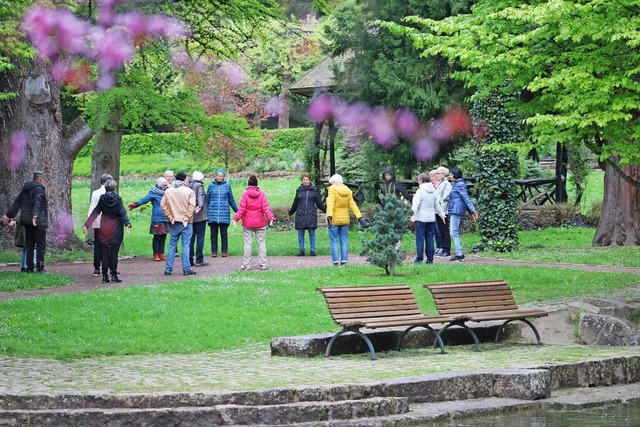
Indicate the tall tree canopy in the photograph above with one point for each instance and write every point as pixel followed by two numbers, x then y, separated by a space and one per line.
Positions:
pixel 387 70
pixel 577 65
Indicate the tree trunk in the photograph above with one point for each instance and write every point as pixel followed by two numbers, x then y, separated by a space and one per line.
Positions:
pixel 106 151
pixel 620 209
pixel 51 147
pixel 284 100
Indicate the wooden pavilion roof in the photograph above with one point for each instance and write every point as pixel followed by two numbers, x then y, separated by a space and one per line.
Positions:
pixel 320 77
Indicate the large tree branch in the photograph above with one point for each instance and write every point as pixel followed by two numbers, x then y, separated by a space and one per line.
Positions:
pixel 77 135
pixel 629 180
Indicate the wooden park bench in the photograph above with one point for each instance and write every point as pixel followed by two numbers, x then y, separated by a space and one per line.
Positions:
pixel 355 307
pixel 479 302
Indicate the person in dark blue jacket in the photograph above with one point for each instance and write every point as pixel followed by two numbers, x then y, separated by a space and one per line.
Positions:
pixel 159 224
pixel 305 206
pixel 34 216
pixel 459 201
pixel 220 199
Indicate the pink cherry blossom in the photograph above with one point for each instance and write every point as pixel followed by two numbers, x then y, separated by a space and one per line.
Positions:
pixel 407 123
pixel 440 130
pixel 272 107
pixel 113 48
pixel 352 115
pixel 235 74
pixel 18 145
pixel 321 108
pixel 380 126
pixel 63 228
pixel 425 148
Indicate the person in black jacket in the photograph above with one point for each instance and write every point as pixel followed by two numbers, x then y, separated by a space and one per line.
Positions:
pixel 304 207
pixel 34 216
pixel 114 219
pixel 391 185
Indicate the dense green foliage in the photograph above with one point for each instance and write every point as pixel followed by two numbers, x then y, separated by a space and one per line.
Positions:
pixel 388 228
pixel 497 167
pixel 13 45
pixel 387 70
pixel 577 62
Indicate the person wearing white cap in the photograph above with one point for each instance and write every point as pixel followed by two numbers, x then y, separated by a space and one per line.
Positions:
pixel 339 203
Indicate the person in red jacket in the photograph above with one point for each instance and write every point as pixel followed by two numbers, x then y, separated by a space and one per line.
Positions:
pixel 254 211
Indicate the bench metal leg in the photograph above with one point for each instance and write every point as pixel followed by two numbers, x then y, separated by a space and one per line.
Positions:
pixel 356 331
pixel 476 341
pixel 437 339
pixel 533 328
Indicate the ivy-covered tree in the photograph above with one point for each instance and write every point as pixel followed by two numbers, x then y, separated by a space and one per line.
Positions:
pixel 575 64
pixel 387 70
pixel 390 224
pixel 498 130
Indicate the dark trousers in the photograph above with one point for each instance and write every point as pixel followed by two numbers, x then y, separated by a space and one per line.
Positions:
pixel 424 237
pixel 437 235
pixel 35 240
pixel 158 243
pixel 443 226
pixel 110 258
pixel 97 249
pixel 197 241
pixel 224 236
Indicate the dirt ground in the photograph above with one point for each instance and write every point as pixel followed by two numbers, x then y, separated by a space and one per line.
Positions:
pixel 554 329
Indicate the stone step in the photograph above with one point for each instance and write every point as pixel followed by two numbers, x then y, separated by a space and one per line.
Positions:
pixel 300 412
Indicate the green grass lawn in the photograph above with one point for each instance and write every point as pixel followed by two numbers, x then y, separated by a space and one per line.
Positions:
pixel 227 312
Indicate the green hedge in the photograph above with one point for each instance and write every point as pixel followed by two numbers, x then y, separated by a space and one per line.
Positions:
pixel 149 143
pixel 292 139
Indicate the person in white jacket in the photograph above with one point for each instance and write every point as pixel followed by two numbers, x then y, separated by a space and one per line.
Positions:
pixel 425 206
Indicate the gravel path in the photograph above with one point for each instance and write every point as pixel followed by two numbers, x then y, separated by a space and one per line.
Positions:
pixel 142 271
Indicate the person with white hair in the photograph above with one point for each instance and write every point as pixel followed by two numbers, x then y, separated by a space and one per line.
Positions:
pixel 159 223
pixel 339 203
pixel 200 217
pixel 168 175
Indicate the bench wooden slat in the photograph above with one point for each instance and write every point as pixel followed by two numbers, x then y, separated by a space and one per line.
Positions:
pixel 355 307
pixel 481 300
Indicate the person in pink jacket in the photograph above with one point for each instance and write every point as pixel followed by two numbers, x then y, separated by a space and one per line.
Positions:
pixel 254 211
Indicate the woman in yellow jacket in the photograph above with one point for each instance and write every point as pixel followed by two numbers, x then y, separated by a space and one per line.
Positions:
pixel 339 202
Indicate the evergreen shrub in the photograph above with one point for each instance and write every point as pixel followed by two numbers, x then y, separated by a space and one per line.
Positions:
pixel 390 224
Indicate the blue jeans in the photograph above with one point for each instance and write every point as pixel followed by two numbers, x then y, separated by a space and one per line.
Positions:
pixel 454 231
pixel 177 231
pixel 424 233
pixel 197 241
pixel 312 238
pixel 339 232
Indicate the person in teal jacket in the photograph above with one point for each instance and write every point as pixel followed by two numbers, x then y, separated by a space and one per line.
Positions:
pixel 220 199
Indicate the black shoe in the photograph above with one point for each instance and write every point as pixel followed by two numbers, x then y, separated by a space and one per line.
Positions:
pixel 23 270
pixel 457 258
pixel 192 264
pixel 188 272
pixel 115 279
pixel 201 264
pixel 439 252
pixel 105 279
pixel 301 253
pixel 96 272
pixel 167 273
pixel 444 254
pixel 312 253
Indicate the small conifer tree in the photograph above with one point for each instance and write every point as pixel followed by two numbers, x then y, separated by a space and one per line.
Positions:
pixel 389 225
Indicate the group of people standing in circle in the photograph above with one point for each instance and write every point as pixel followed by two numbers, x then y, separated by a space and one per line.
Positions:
pixel 182 209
